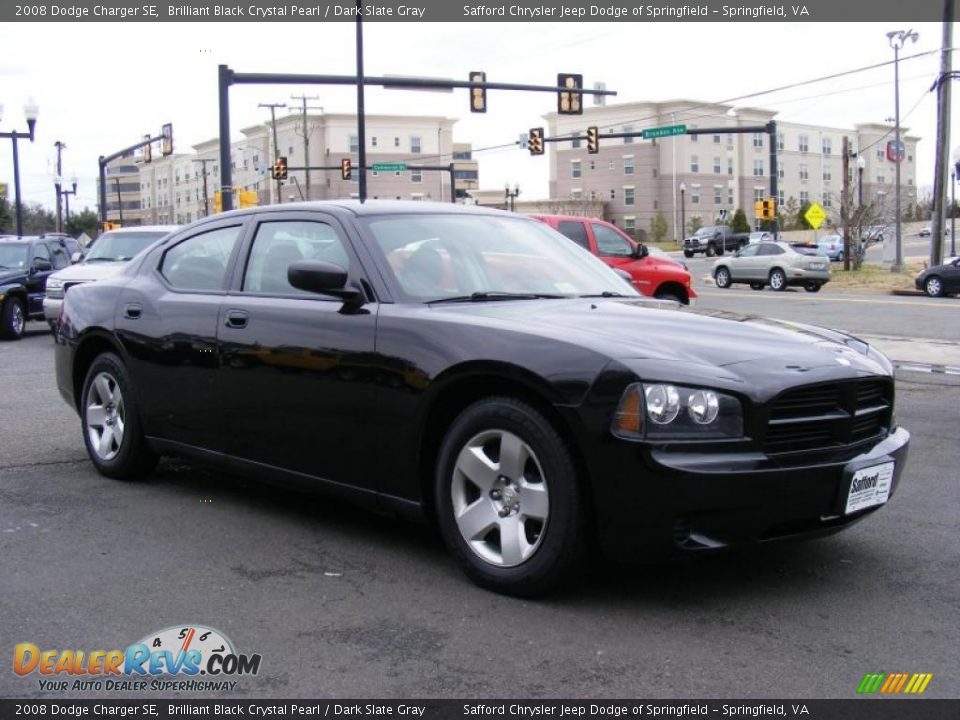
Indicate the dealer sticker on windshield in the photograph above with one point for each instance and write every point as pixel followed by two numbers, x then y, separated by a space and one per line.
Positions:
pixel 870 486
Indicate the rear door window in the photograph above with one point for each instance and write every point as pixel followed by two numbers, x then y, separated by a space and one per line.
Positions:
pixel 200 262
pixel 575 231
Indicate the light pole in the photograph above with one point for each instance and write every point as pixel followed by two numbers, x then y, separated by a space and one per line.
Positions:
pixel 510 197
pixel 954 176
pixel 65 195
pixel 897 39
pixel 683 211
pixel 861 165
pixel 30 112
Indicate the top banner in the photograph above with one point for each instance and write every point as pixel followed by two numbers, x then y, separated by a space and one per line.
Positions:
pixel 446 11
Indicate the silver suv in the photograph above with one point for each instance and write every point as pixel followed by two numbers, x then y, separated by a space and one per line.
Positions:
pixel 772 263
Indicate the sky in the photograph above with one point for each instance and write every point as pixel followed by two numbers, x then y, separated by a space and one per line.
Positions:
pixel 101 87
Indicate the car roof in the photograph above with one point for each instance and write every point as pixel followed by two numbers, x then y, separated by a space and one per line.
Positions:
pixel 375 207
pixel 145 228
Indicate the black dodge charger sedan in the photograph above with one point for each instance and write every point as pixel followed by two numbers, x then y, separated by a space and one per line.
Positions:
pixel 477 369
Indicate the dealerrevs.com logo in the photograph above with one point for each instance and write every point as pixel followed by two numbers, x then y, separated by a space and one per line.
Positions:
pixel 894 683
pixel 184 658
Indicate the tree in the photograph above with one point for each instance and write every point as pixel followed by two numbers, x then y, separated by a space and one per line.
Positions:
pixel 6 219
pixel 37 219
pixel 83 222
pixel 695 223
pixel 788 212
pixel 740 224
pixel 800 221
pixel 658 227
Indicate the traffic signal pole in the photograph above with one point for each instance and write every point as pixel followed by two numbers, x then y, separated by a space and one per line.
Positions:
pixel 430 168
pixel 104 160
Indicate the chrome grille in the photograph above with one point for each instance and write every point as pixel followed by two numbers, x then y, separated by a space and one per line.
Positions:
pixel 829 415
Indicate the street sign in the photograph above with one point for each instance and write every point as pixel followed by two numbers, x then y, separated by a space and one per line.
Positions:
pixel 896 150
pixel 665 131
pixel 389 167
pixel 815 215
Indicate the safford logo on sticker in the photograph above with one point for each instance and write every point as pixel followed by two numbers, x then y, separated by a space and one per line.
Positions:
pixel 172 659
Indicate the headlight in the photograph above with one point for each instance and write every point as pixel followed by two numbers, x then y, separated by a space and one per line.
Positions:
pixel 54 283
pixel 662 411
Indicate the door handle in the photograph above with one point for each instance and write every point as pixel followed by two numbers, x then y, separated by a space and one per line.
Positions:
pixel 236 319
pixel 132 311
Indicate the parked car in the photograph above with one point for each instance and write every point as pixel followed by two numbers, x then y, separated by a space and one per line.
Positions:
pixel 516 391
pixel 652 275
pixel 760 236
pixel 772 263
pixel 108 254
pixel 75 251
pixel 25 264
pixel 926 231
pixel 714 240
pixel 874 234
pixel 940 280
pixel 831 246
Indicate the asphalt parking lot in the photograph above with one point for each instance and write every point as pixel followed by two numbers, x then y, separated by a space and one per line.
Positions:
pixel 341 603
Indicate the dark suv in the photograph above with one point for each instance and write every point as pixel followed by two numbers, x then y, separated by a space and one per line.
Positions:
pixel 25 264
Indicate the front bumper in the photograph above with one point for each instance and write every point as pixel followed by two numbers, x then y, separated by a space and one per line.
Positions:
pixel 51 308
pixel 674 502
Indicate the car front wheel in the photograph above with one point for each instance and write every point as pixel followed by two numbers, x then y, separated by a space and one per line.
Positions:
pixel 723 278
pixel 778 280
pixel 933 286
pixel 688 253
pixel 508 499
pixel 12 319
pixel 111 424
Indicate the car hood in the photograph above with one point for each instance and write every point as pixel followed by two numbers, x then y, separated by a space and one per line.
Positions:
pixel 649 330
pixel 10 275
pixel 88 272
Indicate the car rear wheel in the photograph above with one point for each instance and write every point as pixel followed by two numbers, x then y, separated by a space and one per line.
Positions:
pixel 723 278
pixel 12 319
pixel 778 280
pixel 111 423
pixel 840 256
pixel 757 285
pixel 812 287
pixel 711 250
pixel 508 499
pixel 933 286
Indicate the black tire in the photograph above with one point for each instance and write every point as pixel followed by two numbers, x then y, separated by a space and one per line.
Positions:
pixel 558 547
pixel 778 280
pixel 711 250
pixel 933 286
pixel 722 278
pixel 812 287
pixel 132 457
pixel 13 319
pixel 757 286
pixel 688 253
pixel 670 296
pixel 840 256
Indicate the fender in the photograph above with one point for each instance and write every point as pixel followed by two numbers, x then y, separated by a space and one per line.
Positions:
pixel 12 288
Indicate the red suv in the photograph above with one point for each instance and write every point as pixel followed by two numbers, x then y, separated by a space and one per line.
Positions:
pixel 652 275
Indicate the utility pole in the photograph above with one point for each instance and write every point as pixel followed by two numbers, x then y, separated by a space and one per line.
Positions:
pixel 845 204
pixel 119 200
pixel 943 139
pixel 61 146
pixel 276 146
pixel 305 133
pixel 206 199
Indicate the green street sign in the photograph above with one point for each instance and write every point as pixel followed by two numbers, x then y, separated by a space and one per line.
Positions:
pixel 666 131
pixel 389 167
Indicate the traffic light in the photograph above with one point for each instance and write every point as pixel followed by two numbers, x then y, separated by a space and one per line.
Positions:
pixel 478 95
pixel 279 171
pixel 166 144
pixel 568 101
pixel 769 209
pixel 593 139
pixel 535 143
pixel 106 226
pixel 147 150
pixel 346 168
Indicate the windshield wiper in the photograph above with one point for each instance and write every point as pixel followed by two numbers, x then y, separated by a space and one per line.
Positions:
pixel 489 295
pixel 100 259
pixel 605 293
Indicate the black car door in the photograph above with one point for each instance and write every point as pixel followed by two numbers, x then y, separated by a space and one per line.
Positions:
pixel 167 319
pixel 951 277
pixel 297 367
pixel 39 269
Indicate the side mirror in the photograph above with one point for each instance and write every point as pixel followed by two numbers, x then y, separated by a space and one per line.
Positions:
pixel 41 265
pixel 76 257
pixel 640 251
pixel 321 277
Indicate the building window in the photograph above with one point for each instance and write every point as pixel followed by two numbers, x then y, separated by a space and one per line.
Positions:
pixel 780 198
pixel 576 194
pixel 628 129
pixel 804 197
pixel 827 146
pixel 655 172
pixel 718 194
pixel 612 165
pixel 758 140
pixel 758 168
pixel 881 178
pixel 593 165
pixel 629 196
pixel 373 141
pixel 415 144
pixel 694 138
pixel 694 164
pixel 758 194
pixel 880 155
pixel 354 144
pixel 827 202
pixel 628 164
pixel 717 168
pixel 416 175
pixel 803 143
pixel 575 170
pixel 730 196
pixel 780 172
pixel 716 139
pixel 780 141
pixel 695 194
pixel 804 173
pixel 730 166
pixel 629 223
pixel 827 174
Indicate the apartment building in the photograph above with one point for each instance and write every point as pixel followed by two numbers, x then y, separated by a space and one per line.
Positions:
pixel 182 188
pixel 707 175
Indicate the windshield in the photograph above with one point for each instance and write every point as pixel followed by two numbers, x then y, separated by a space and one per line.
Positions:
pixel 119 246
pixel 436 256
pixel 13 255
pixel 705 231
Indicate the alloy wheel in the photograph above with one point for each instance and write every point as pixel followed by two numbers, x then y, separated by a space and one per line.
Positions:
pixel 105 416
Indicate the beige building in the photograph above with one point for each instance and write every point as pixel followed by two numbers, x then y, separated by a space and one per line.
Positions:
pixel 709 175
pixel 172 188
pixel 123 199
